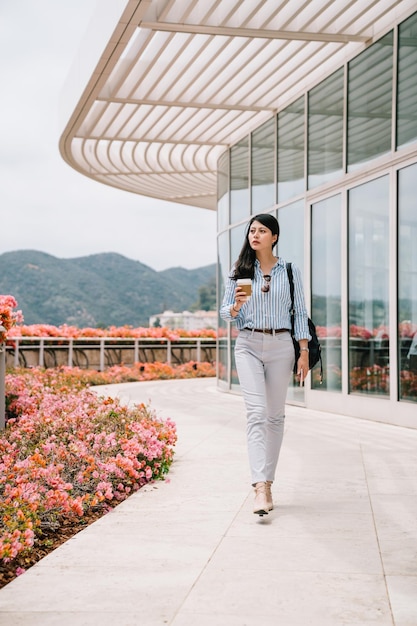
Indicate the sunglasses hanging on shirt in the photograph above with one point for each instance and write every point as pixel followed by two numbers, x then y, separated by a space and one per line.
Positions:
pixel 266 285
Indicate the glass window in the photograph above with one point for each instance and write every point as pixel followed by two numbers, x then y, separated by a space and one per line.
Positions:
pixel 325 130
pixel 291 236
pixel 263 167
pixel 407 82
pixel 223 191
pixel 407 282
pixel 223 267
pixel 370 103
pixel 368 288
pixel 291 151
pixel 326 289
pixel 237 236
pixel 239 184
pixel 291 248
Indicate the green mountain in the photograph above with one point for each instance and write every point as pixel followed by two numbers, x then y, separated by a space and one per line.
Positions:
pixel 98 290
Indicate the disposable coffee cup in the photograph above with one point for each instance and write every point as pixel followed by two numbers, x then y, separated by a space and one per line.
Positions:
pixel 246 285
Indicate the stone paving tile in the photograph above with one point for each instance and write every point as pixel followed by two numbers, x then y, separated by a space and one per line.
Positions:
pixel 338 549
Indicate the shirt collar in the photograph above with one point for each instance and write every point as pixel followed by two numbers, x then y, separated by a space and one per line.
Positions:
pixel 280 262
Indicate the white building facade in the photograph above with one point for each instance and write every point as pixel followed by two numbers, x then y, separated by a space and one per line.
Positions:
pixel 304 110
pixel 198 320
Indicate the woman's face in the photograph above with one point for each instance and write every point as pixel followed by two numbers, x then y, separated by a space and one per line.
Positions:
pixel 260 237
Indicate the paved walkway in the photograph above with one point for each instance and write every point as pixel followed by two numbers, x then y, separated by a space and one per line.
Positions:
pixel 339 549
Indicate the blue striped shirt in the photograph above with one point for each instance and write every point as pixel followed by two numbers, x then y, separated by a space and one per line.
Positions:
pixel 271 309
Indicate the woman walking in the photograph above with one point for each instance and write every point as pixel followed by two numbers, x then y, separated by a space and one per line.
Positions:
pixel 264 350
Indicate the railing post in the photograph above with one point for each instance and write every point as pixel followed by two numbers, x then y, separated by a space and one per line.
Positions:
pixel 16 353
pixel 2 385
pixel 70 352
pixel 47 343
pixel 101 355
pixel 41 352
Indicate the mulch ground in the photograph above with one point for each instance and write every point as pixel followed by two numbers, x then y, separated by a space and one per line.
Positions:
pixel 43 546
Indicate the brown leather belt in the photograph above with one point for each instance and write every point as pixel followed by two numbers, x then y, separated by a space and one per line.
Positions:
pixel 269 331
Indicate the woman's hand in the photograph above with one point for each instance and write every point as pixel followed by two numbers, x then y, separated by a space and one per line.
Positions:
pixel 240 298
pixel 302 366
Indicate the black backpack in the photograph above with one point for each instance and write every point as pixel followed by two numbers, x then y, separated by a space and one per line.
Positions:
pixel 314 355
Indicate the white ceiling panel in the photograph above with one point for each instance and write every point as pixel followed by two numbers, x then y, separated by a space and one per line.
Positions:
pixel 179 82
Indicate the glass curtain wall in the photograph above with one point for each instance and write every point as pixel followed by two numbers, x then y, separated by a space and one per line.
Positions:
pixel 263 167
pixel 237 236
pixel 223 219
pixel 368 210
pixel 269 167
pixel 407 82
pixel 223 263
pixel 407 283
pixel 291 247
pixel 325 130
pixel 291 239
pixel 239 181
pixel 291 179
pixel 370 103
pixel 326 294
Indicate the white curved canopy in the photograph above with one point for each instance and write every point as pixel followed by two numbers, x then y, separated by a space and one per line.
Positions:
pixel 181 80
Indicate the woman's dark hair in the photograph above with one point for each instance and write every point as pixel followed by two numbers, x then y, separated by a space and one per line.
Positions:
pixel 245 264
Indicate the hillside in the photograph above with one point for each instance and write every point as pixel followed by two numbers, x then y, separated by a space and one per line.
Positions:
pixel 98 290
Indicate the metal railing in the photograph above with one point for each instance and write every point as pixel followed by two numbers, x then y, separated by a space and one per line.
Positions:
pixel 101 352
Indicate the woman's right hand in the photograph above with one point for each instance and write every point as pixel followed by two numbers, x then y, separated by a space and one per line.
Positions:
pixel 240 297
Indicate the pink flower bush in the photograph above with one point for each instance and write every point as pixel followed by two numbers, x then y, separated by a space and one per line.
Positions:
pixel 407 329
pixel 66 451
pixel 329 331
pixel 8 317
pixel 408 384
pixel 374 379
pixel 75 377
pixel 360 332
pixel 128 332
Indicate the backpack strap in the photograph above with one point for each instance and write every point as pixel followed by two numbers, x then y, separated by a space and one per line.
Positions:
pixel 292 313
pixel 291 281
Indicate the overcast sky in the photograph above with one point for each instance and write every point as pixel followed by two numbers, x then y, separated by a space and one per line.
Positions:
pixel 46 205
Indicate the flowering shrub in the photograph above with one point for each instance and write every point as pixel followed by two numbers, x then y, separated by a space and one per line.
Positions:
pixel 8 317
pixel 372 379
pixel 152 371
pixel 128 332
pixel 329 331
pixel 405 330
pixel 66 452
pixel 408 385
pixel 78 378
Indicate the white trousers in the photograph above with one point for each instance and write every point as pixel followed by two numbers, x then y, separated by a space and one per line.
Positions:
pixel 264 365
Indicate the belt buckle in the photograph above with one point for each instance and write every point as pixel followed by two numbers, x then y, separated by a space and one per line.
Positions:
pixel 267 331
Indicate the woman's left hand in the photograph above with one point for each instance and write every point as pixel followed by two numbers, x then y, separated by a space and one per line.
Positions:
pixel 302 366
